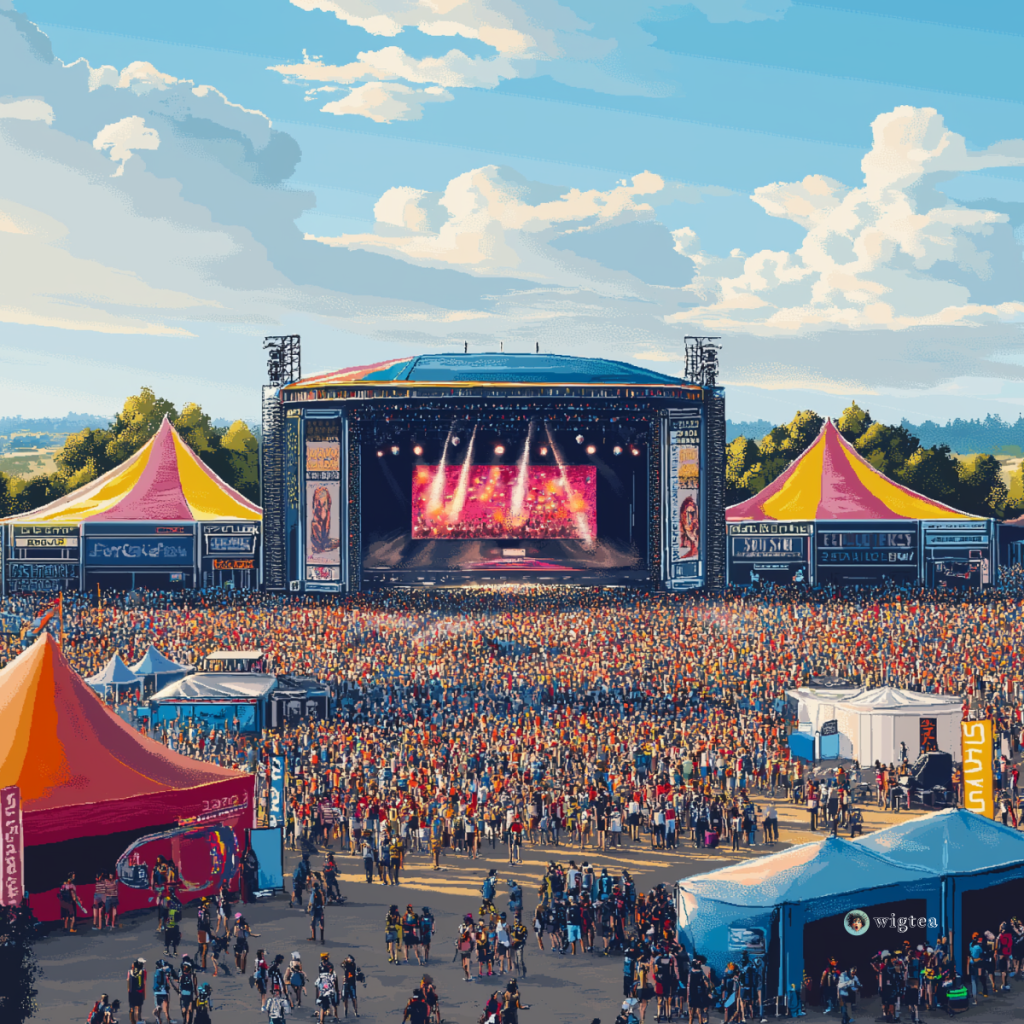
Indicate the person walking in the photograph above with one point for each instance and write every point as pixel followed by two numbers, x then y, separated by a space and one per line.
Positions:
pixel 136 981
pixel 317 900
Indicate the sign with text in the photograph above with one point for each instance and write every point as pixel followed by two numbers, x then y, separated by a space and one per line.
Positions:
pixel 929 735
pixel 275 814
pixel 137 552
pixel 976 749
pixel 12 848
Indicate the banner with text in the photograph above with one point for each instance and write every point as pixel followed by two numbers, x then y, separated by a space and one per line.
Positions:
pixel 275 815
pixel 12 841
pixel 976 749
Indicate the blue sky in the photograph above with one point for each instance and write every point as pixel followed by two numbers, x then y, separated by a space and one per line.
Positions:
pixel 836 191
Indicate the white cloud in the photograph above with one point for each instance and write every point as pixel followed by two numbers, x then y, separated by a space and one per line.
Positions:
pixel 385 102
pixel 492 222
pixel 123 137
pixel 894 253
pixel 26 108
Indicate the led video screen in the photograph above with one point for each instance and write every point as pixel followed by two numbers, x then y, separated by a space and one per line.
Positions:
pixel 504 503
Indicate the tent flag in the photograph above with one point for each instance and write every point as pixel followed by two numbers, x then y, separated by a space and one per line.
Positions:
pixel 832 480
pixel 163 480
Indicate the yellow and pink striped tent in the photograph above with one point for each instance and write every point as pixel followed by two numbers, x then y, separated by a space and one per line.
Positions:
pixel 832 480
pixel 163 481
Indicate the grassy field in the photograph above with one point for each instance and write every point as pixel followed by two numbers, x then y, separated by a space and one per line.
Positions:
pixel 30 462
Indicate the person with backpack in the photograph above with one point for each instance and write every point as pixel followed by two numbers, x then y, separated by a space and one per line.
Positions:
pixel 70 905
pixel 433 999
pixel 519 935
pixel 172 926
pixel 260 970
pixel 103 1010
pixel 350 975
pixel 326 989
pixel 296 977
pixel 136 989
pixel 299 877
pixel 275 978
pixel 411 934
pixel 426 933
pixel 242 935
pixel 464 945
pixel 164 979
pixel 392 928
pixel 203 928
pixel 316 911
pixel 188 986
pixel 416 1010
pixel 203 1009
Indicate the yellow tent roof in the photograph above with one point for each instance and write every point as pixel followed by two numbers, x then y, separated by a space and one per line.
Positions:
pixel 163 481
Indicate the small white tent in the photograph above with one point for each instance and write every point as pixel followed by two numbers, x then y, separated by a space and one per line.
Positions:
pixel 873 723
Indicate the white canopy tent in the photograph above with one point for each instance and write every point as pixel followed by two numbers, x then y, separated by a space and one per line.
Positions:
pixel 873 723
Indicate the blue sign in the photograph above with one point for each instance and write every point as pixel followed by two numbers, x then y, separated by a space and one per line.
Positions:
pixel 275 814
pixel 239 544
pixel 135 552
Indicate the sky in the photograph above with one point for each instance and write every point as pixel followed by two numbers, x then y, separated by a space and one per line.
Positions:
pixel 835 190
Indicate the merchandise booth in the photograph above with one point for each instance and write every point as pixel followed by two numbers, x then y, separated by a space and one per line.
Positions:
pixel 97 796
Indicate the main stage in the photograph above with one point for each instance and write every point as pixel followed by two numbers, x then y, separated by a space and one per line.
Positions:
pixel 491 469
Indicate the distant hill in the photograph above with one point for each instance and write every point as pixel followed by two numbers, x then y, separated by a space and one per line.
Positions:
pixel 69 424
pixel 754 429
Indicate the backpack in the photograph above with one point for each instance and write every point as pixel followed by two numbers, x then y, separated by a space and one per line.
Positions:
pixel 324 985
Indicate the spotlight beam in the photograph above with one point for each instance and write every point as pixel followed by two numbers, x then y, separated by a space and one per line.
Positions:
pixel 519 491
pixel 462 490
pixel 581 517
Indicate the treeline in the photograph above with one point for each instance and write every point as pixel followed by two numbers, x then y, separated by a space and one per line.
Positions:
pixel 992 435
pixel 974 484
pixel 232 452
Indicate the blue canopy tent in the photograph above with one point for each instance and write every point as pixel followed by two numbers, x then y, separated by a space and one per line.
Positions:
pixel 115 675
pixel 793 909
pixel 158 669
pixel 979 864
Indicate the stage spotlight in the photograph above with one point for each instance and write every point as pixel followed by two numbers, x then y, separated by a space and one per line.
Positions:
pixel 499 449
pixel 543 449
pixel 635 451
pixel 394 449
pixel 579 439
pixel 380 454
pixel 456 441
pixel 418 450
pixel 617 450
pixel 591 449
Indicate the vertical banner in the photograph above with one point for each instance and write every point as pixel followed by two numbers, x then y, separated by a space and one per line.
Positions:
pixel 682 476
pixel 12 845
pixel 976 748
pixel 323 499
pixel 275 816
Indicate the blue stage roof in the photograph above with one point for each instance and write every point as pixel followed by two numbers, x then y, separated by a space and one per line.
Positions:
pixel 496 368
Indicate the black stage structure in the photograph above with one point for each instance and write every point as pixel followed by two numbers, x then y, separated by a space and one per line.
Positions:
pixel 485 469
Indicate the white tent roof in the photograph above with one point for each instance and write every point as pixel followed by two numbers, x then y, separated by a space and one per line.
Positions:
pixel 890 698
pixel 213 685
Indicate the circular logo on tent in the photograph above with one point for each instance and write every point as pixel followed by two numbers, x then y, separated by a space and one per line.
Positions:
pixel 857 922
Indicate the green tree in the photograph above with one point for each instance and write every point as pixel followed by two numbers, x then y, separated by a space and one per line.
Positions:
pixel 741 454
pixel 136 423
pixel 19 967
pixel 84 457
pixel 197 430
pixel 854 421
pixel 239 457
pixel 887 448
pixel 803 428
pixel 981 490
pixel 933 473
pixel 1015 492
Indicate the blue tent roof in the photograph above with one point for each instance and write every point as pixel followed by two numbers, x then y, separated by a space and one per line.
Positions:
pixel 115 671
pixel 521 367
pixel 951 842
pixel 153 662
pixel 799 875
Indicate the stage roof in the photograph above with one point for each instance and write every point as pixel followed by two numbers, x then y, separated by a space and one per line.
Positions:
pixel 832 480
pixel 492 368
pixel 164 481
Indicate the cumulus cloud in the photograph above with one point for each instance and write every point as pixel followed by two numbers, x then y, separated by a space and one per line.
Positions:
pixel 385 102
pixel 892 253
pixel 611 54
pixel 125 136
pixel 491 221
pixel 26 108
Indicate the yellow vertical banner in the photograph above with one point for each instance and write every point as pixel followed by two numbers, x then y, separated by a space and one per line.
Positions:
pixel 976 748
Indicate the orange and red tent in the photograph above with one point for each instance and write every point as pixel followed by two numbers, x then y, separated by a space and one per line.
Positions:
pixel 90 784
pixel 832 480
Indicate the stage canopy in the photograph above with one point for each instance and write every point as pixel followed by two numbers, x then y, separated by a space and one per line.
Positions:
pixel 115 673
pixel 154 663
pixel 831 480
pixel 225 686
pixel 163 481
pixel 950 842
pixel 81 770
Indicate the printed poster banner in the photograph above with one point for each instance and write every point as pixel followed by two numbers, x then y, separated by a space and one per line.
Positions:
pixel 275 814
pixel 684 489
pixel 323 500
pixel 976 750
pixel 12 840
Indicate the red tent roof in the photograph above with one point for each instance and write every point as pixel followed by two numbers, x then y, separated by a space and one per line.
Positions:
pixel 63 747
pixel 832 480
